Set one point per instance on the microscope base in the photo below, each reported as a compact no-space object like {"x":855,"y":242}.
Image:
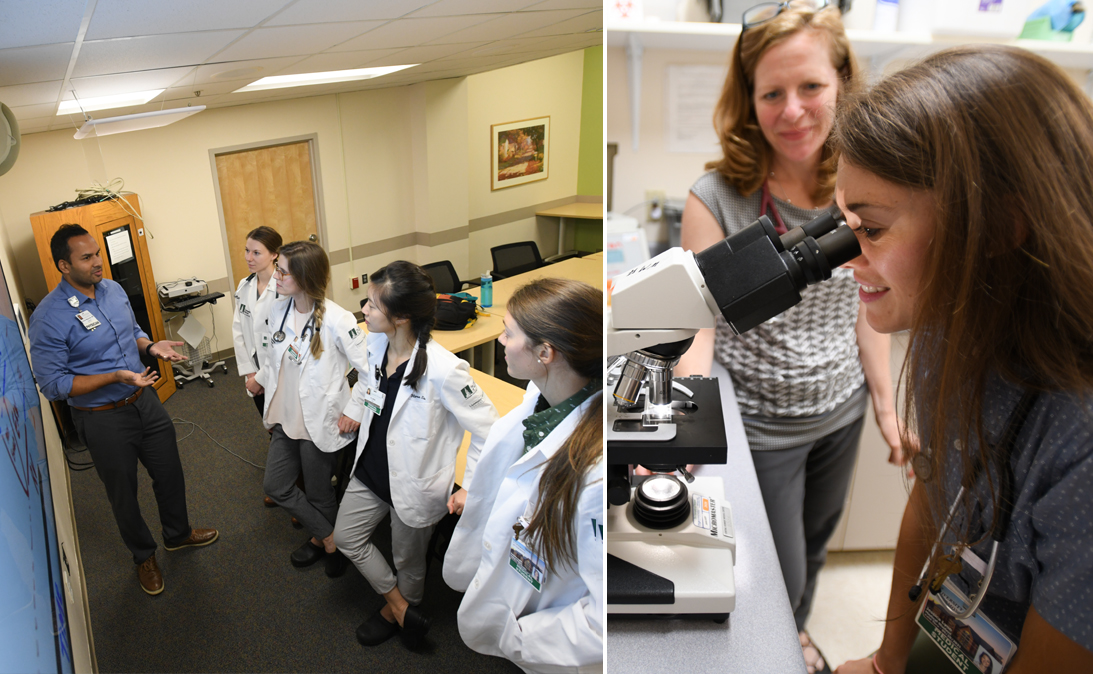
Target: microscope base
{"x":686,"y":571}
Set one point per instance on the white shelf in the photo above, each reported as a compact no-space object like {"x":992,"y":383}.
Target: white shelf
{"x":867,"y":44}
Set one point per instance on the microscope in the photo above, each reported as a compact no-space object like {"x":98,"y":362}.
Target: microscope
{"x":670,"y":542}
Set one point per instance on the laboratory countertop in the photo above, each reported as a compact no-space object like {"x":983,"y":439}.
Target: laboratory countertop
{"x":760,"y":636}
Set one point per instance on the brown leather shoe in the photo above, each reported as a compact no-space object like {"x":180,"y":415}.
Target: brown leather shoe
{"x":270,"y":503}
{"x":151,"y":580}
{"x":198,"y":538}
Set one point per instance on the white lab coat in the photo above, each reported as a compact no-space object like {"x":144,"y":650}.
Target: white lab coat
{"x":561,"y":628}
{"x":426,"y":429}
{"x":250,"y":321}
{"x":324,"y":392}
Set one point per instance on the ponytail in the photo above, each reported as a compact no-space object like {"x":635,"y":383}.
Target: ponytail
{"x":317,"y":328}
{"x":552,"y":531}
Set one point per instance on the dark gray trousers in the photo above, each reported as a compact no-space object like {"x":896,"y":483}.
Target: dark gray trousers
{"x":117,"y":439}
{"x":804,"y":490}
{"x":318,"y":508}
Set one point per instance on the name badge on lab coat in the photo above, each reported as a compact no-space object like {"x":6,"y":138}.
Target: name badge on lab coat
{"x":294,"y":353}
{"x":526,"y":563}
{"x":88,"y":320}
{"x":373,"y":399}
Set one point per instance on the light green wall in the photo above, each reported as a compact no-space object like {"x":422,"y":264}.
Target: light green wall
{"x":590,"y":167}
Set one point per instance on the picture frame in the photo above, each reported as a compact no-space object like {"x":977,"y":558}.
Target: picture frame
{"x":520,"y":152}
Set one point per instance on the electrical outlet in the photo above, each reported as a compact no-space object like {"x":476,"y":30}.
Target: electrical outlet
{"x":354,"y":283}
{"x":364,"y":279}
{"x":654,"y":205}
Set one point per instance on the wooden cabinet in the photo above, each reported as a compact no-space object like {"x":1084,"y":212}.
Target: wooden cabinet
{"x":121,"y":234}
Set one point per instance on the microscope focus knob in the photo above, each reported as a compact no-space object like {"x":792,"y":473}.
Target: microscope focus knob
{"x":661,"y":502}
{"x":618,"y":491}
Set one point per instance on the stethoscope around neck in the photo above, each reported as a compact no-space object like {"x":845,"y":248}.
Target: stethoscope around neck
{"x":279,"y":336}
{"x":998,"y":531}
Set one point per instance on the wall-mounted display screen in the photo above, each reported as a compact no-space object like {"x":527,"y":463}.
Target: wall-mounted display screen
{"x":34,"y":634}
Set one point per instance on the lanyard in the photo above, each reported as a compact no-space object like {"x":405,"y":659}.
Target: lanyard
{"x":766,"y":205}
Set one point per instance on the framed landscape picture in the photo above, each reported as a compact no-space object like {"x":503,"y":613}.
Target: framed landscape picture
{"x":520,"y":152}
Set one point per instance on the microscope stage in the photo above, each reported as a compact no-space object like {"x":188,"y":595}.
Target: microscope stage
{"x":685,"y":571}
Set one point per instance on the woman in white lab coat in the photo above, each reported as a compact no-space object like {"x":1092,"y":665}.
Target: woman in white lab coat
{"x":253,"y":298}
{"x":420,"y":399}
{"x":305,"y":352}
{"x":540,"y":476}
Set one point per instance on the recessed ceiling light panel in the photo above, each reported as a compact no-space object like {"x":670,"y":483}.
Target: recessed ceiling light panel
{"x":107,"y":102}
{"x":329,"y":77}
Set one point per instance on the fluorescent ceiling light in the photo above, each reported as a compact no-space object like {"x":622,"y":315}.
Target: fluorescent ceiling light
{"x":137,"y":122}
{"x":306,"y":79}
{"x":107,"y":102}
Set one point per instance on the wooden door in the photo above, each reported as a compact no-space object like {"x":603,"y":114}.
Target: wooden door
{"x":269,"y":186}
{"x":111,"y":222}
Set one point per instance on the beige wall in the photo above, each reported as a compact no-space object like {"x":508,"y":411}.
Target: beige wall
{"x":403,"y":173}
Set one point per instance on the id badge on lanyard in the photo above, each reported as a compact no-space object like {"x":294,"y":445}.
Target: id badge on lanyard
{"x":373,"y":396}
{"x":88,"y":320}
{"x":522,"y":560}
{"x":295,"y":354}
{"x":970,"y":644}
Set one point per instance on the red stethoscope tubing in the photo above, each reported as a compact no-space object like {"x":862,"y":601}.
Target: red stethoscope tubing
{"x":767,"y":207}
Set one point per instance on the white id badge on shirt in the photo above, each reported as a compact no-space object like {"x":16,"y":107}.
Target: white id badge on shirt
{"x":373,"y":398}
{"x":294,"y":353}
{"x":88,"y":320}
{"x":970,"y":643}
{"x":526,"y":563}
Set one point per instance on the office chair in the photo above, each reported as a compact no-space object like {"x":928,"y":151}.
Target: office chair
{"x":444,"y":277}
{"x":515,"y":258}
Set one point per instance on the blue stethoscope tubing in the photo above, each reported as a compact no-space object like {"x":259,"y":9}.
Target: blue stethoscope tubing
{"x":279,"y":336}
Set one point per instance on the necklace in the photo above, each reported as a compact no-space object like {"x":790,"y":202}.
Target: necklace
{"x":784,"y":195}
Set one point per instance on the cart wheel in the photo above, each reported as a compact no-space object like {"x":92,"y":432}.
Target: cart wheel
{"x":211,"y":383}
{"x":224,"y":368}
{"x":205,"y":364}
{"x":179,"y":384}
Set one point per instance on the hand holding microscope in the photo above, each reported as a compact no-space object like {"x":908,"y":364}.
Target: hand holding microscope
{"x":670,"y":542}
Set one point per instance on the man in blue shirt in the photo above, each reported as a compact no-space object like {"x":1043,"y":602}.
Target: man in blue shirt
{"x":85,"y":345}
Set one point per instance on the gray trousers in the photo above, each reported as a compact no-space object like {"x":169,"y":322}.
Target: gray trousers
{"x":361,"y":511}
{"x":318,"y":508}
{"x":117,"y":440}
{"x":804,"y":490}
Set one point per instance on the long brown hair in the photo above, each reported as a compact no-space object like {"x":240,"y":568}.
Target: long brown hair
{"x":746,"y":154}
{"x":406,"y":291}
{"x":567,"y":315}
{"x":1004,"y":142}
{"x":310,"y":269}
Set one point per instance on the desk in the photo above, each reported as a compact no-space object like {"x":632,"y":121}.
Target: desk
{"x":504,"y":397}
{"x":576,"y":268}
{"x":595,"y":256}
{"x":760,"y":636}
{"x":577,"y":211}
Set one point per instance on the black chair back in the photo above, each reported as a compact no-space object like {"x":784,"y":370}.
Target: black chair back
{"x":515,"y":258}
{"x":444,"y":277}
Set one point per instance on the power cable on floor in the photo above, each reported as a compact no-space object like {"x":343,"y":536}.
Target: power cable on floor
{"x":183,"y":421}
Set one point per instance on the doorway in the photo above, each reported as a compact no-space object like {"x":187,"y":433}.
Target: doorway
{"x":274,"y":184}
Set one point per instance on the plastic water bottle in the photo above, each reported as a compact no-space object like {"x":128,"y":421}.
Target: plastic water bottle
{"x":485,"y":294}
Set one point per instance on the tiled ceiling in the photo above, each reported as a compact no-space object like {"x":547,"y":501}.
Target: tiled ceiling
{"x":202,"y":50}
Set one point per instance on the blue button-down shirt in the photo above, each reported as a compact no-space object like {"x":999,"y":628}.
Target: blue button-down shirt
{"x":61,"y":347}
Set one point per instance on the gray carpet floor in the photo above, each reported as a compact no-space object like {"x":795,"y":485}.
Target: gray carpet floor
{"x":239,"y":605}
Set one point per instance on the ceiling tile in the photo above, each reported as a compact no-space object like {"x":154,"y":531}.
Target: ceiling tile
{"x":461,"y":7}
{"x":581,"y":24}
{"x":123,"y":83}
{"x":34,"y":64}
{"x":33,"y":111}
{"x":30,"y":94}
{"x":243,"y":70}
{"x":568,"y":4}
{"x":24,"y":23}
{"x":410,"y":32}
{"x":129,"y":18}
{"x":293,"y":40}
{"x":508,"y":25}
{"x":424,"y":54}
{"x":501,"y":47}
{"x":349,"y":60}
{"x":131,"y":54}
{"x":315,"y":11}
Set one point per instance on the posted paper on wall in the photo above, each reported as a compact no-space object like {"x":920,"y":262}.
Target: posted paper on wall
{"x":692,"y":93}
{"x":121,"y":249}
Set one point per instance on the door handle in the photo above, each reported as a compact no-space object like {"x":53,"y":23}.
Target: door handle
{"x":312,"y":238}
